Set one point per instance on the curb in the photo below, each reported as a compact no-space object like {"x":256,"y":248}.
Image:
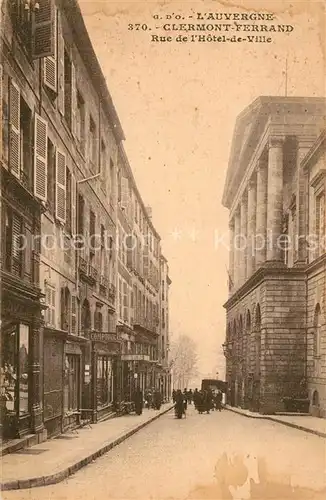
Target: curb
{"x":68,"y":471}
{"x":273,"y":419}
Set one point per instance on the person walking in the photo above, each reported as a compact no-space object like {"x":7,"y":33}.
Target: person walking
{"x":138,"y":401}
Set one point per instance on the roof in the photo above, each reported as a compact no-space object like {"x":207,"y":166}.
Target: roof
{"x":249,"y":127}
{"x":86,"y":50}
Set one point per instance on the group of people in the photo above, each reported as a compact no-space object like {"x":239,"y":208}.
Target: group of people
{"x":204,"y":400}
{"x":153,"y":399}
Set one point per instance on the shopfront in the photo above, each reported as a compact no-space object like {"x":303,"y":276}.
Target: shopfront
{"x":106,"y":349}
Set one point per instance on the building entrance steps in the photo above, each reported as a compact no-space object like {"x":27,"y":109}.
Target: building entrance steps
{"x":55,"y":459}
{"x":303,"y":422}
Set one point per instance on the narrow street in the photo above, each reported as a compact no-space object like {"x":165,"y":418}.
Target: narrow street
{"x":201,"y":457}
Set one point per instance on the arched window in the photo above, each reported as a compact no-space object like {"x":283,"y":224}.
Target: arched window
{"x":85,"y":316}
{"x":317,"y":327}
{"x":65,"y":301}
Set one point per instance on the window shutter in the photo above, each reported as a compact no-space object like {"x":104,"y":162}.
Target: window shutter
{"x":50,"y":62}
{"x":43,"y":39}
{"x":52,"y":320}
{"x":61,"y":67}
{"x":73,"y":100}
{"x":73,"y":205}
{"x":61,"y":186}
{"x":1,"y":98}
{"x":73,"y":315}
{"x":40,"y":157}
{"x":124,"y":192}
{"x":14,"y":120}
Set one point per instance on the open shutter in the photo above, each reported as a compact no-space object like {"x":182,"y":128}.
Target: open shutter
{"x":73,"y":315}
{"x":61,"y":67}
{"x":50,"y":63}
{"x":73,"y":100}
{"x":43,"y":39}
{"x":40,"y":157}
{"x":1,"y":98}
{"x":14,"y":121}
{"x":73,"y":205}
{"x":61,"y":186}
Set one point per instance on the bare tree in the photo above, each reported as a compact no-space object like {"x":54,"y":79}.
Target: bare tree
{"x":183,"y":361}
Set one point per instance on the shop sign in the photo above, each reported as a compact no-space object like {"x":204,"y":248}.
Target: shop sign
{"x":103,"y":337}
{"x":135,"y":357}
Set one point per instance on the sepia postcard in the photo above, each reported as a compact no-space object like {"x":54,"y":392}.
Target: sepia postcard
{"x":163,"y":249}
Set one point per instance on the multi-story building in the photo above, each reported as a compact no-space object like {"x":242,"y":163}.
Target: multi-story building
{"x":276,"y":297}
{"x":67,"y":277}
{"x":138,"y":285}
{"x":164,"y":343}
{"x":63,"y":141}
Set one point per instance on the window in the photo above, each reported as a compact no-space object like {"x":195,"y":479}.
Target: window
{"x":26,"y":144}
{"x":92,"y":236}
{"x":80,"y":121}
{"x":85,"y":317}
{"x":51,"y":178}
{"x":14,"y":256}
{"x":104,"y":381}
{"x":50,"y":315}
{"x":80,"y":214}
{"x":65,"y":308}
{"x":68,"y":201}
{"x":92,"y":144}
{"x":98,"y":321}
{"x":112,"y":182}
{"x":71,"y":382}
{"x":68,"y":89}
{"x":103,"y":167}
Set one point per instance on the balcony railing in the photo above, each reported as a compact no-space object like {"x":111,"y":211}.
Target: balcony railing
{"x":93,"y":273}
{"x":83,"y":267}
{"x":112,"y":291}
{"x":104,"y":282}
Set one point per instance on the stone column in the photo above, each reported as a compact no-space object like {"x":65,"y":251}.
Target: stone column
{"x":251,"y":227}
{"x":243,"y":240}
{"x":300,"y":243}
{"x":236,"y":241}
{"x":261,"y":214}
{"x":275,"y":198}
{"x":231,"y":255}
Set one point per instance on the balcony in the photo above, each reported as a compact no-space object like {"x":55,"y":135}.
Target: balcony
{"x":112,"y":292}
{"x":92,"y":274}
{"x":104,"y":282}
{"x":83,"y":266}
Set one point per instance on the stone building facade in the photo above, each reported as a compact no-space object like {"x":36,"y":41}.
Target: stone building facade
{"x":267,"y":193}
{"x":164,"y":343}
{"x":64,"y":188}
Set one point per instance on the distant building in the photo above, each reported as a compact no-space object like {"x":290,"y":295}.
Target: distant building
{"x":276,"y":305}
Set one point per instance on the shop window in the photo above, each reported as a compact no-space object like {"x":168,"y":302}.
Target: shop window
{"x":71,"y":382}
{"x":104,"y":381}
{"x":15,"y":370}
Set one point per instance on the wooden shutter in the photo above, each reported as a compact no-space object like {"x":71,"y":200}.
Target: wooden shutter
{"x":61,"y":67}
{"x":40,"y":157}
{"x":53,"y":315}
{"x":43,"y":37}
{"x":50,"y":62}
{"x":73,"y":205}
{"x":60,"y":186}
{"x":73,"y":100}
{"x":1,"y":98}
{"x":124,"y":192}
{"x":14,"y":121}
{"x":73,"y":314}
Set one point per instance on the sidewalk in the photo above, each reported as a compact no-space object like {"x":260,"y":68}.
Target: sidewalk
{"x":55,"y":459}
{"x":306,"y":423}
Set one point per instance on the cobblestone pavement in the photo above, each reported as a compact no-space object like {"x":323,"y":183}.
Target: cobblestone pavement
{"x":218,"y":456}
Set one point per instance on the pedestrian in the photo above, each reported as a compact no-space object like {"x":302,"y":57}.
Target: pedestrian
{"x":138,"y":401}
{"x":149,"y":398}
{"x":219,"y":401}
{"x":179,"y":406}
{"x":196,"y":398}
{"x":185,"y":398}
{"x":190,"y":396}
{"x":174,"y":393}
{"x":157,"y":400}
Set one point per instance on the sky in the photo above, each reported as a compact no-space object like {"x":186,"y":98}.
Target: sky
{"x":178,"y":103}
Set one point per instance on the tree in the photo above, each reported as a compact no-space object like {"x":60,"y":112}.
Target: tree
{"x":183,"y":361}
